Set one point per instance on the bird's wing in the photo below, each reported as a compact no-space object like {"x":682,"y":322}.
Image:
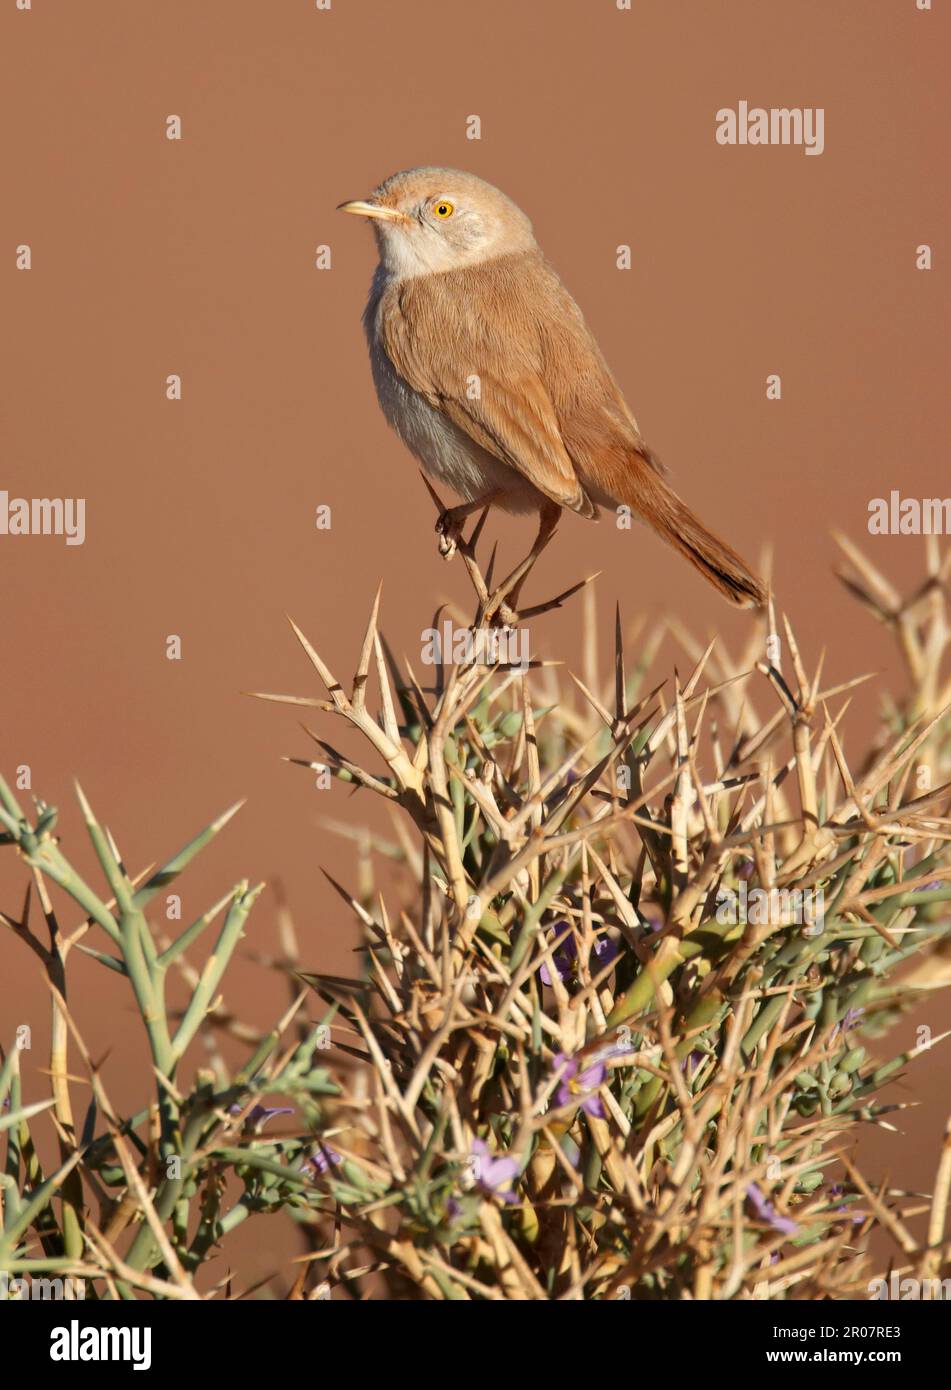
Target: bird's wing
{"x":503,"y":350}
{"x":456,"y":339}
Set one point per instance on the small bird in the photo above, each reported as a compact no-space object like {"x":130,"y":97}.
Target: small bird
{"x":486,"y":369}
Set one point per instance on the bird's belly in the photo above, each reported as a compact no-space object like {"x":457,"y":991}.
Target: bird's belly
{"x":446,"y":453}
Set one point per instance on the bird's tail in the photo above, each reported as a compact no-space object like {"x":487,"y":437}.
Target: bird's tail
{"x":643,"y":489}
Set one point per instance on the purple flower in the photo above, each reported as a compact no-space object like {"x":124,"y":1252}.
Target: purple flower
{"x":258,"y":1116}
{"x":613,"y":1047}
{"x":856,"y":1217}
{"x":848,"y":1020}
{"x":580,"y":1087}
{"x":565,"y":955}
{"x":768,"y":1213}
{"x":694,"y":1060}
{"x":322,"y":1160}
{"x":494,"y":1175}
{"x":746,"y":869}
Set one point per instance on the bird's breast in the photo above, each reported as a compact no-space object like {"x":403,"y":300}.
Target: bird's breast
{"x":447,"y":453}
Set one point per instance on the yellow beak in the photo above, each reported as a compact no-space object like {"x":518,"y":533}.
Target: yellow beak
{"x":360,"y":208}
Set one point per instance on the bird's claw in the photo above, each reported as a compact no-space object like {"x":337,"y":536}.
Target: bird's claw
{"x":449,"y":531}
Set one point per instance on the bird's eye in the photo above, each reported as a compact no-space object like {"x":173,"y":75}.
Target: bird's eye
{"x":443,"y":209}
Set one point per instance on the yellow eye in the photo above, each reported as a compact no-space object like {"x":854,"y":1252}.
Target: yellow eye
{"x":443,"y":209}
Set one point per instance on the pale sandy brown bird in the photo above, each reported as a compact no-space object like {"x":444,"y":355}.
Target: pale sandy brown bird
{"x":484,"y":366}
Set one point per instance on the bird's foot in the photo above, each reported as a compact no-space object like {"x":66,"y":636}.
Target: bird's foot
{"x":499,"y":605}
{"x":449,"y":528}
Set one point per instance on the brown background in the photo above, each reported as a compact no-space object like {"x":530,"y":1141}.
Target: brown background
{"x":196,"y":257}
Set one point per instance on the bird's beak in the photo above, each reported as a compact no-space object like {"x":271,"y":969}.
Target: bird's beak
{"x":360,"y":208}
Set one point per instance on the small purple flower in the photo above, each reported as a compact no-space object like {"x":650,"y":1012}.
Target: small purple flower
{"x":931,"y":887}
{"x":694,"y":1060}
{"x":258,"y":1116}
{"x":849,"y":1020}
{"x":746,"y":869}
{"x":613,"y":1047}
{"x":322,"y":1160}
{"x":768,"y":1213}
{"x":856,"y":1217}
{"x":577,"y":1086}
{"x":565,"y":956}
{"x":494,"y":1175}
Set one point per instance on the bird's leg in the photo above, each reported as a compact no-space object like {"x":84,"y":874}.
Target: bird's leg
{"x":503,"y":602}
{"x":450,"y":522}
{"x":499,"y":608}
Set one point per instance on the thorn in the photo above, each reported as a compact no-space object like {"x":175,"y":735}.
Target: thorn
{"x":224,"y":818}
{"x":440,"y":506}
{"x":477,"y":530}
{"x":85,"y":807}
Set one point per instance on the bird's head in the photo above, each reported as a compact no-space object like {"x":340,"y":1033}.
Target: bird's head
{"x":432,"y":220}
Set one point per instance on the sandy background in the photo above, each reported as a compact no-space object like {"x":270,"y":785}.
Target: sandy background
{"x":196,"y":257}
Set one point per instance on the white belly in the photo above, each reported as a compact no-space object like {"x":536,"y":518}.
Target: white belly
{"x":445,"y":452}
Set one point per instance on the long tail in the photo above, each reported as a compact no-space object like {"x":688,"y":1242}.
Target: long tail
{"x":641,"y":486}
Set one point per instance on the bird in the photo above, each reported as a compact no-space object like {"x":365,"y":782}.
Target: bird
{"x":486,"y":369}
